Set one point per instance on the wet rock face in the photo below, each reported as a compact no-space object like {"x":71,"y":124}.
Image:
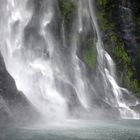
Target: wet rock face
{"x":6,"y":117}
{"x":14,"y":107}
{"x":8,"y":89}
{"x":120,"y":26}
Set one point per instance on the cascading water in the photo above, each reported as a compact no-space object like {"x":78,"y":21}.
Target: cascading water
{"x":28,"y":61}
{"x":49,"y":72}
{"x":106,"y":67}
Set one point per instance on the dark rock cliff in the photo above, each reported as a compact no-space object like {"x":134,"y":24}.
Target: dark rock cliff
{"x":14,"y":106}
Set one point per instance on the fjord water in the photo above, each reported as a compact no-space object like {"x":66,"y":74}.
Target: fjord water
{"x":43,"y":59}
{"x":78,"y":130}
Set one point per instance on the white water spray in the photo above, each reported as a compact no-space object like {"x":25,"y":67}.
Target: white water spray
{"x":53,"y":81}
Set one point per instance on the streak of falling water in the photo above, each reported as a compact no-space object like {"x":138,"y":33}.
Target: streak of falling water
{"x":32,"y":72}
{"x":108,"y":74}
{"x":53,"y":80}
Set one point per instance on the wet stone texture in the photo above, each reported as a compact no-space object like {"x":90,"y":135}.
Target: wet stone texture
{"x":14,"y":107}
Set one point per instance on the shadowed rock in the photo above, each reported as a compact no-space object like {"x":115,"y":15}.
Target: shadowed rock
{"x":14,"y":106}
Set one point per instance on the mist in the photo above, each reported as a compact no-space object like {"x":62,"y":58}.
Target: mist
{"x":65,"y":78}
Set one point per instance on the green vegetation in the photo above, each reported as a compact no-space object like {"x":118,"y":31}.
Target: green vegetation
{"x":102,"y":2}
{"x":67,"y":8}
{"x":118,"y":51}
{"x":115,"y":47}
{"x":90,"y":54}
{"x":104,"y":23}
{"x":105,"y":15}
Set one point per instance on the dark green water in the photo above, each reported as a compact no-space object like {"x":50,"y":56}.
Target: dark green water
{"x":81,"y":130}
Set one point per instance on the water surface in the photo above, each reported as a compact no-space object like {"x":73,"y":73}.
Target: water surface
{"x":77,"y":130}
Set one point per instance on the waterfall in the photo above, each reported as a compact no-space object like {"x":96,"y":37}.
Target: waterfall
{"x":25,"y":48}
{"x":47,"y":69}
{"x":106,"y":67}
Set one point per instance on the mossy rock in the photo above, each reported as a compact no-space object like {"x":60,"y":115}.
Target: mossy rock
{"x":67,"y":8}
{"x":115,"y":46}
{"x":90,"y":54}
{"x":106,"y":15}
{"x":104,"y":23}
{"x":118,"y":50}
{"x":131,"y":81}
{"x":102,"y":2}
{"x":109,"y":25}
